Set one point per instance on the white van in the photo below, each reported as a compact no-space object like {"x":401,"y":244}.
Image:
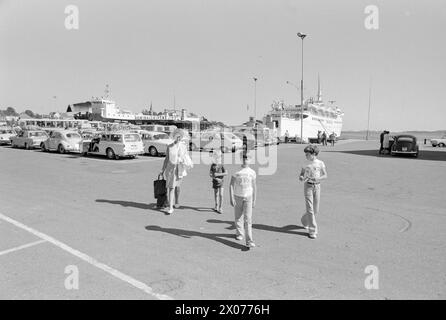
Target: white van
{"x":115,"y":145}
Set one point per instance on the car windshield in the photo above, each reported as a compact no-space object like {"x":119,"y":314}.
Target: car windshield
{"x":74,"y":136}
{"x":37,"y":134}
{"x":160,"y":136}
{"x":405,"y":139}
{"x":132,"y":137}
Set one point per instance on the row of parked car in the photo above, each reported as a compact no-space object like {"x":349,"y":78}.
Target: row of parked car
{"x":114,"y":144}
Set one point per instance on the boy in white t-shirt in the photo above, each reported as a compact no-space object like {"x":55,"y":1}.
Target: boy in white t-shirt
{"x":312,"y":174}
{"x":242,"y":193}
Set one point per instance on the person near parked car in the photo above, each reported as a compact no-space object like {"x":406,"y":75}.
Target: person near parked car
{"x":176,"y":164}
{"x":386,"y":142}
{"x":381,"y":141}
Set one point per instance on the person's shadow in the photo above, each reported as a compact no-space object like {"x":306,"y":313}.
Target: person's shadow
{"x":138,"y":205}
{"x":218,"y":237}
{"x":151,"y":206}
{"x":199,"y":209}
{"x":289,"y":229}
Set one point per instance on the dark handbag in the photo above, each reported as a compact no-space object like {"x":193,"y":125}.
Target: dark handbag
{"x":159,"y":187}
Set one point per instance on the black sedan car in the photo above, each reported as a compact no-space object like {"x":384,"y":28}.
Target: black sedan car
{"x":404,"y":144}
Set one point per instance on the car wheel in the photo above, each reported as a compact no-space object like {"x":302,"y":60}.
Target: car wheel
{"x":42,"y":147}
{"x":153,"y":152}
{"x":61,"y":149}
{"x":26,"y":146}
{"x":110,"y":153}
{"x":441,"y":144}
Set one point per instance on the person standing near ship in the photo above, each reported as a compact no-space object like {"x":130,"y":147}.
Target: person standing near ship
{"x":287,"y":136}
{"x":319,"y":137}
{"x":324,"y":138}
{"x":332,"y":138}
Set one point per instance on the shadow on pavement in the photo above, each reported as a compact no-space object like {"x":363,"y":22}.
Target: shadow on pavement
{"x":218,"y":237}
{"x":145,"y":206}
{"x":424,"y":155}
{"x":151,"y":206}
{"x":289,"y":229}
{"x":200,"y":209}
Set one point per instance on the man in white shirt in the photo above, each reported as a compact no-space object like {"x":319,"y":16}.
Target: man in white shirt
{"x":242,"y":192}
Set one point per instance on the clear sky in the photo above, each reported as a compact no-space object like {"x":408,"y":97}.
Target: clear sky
{"x":205,"y":53}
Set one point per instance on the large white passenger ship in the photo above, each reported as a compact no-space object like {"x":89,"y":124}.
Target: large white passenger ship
{"x":317,"y":116}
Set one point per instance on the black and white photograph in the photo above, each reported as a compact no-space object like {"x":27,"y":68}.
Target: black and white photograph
{"x":241,"y":151}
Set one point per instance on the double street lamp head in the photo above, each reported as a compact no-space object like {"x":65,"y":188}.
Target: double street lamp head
{"x":301,"y":35}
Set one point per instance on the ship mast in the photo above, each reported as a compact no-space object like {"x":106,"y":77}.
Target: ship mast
{"x":107,"y":92}
{"x":319,"y":89}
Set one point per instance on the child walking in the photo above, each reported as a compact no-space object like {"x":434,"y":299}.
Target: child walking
{"x":217,"y":173}
{"x":312,"y":174}
{"x":242,"y":193}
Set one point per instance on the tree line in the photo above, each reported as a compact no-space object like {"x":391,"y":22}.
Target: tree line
{"x":11,"y":112}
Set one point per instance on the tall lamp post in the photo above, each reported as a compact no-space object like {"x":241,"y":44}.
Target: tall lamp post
{"x":368,"y":116}
{"x":255,"y":101}
{"x":302,"y":36}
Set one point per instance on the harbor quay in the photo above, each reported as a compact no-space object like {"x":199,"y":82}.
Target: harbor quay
{"x":381,"y":217}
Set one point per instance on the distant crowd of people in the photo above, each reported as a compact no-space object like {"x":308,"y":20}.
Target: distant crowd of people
{"x":242,"y":187}
{"x":322,"y":137}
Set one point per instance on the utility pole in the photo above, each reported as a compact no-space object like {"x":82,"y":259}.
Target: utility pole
{"x":302,"y":36}
{"x":370,"y":102}
{"x":255,"y":101}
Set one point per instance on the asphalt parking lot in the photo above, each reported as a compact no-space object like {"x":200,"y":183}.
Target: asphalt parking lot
{"x":98,"y":215}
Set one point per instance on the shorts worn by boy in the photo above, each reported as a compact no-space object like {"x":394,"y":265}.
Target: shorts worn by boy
{"x":217,"y":182}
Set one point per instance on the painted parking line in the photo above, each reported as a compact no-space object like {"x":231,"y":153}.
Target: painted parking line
{"x":22,"y":247}
{"x":115,"y":273}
